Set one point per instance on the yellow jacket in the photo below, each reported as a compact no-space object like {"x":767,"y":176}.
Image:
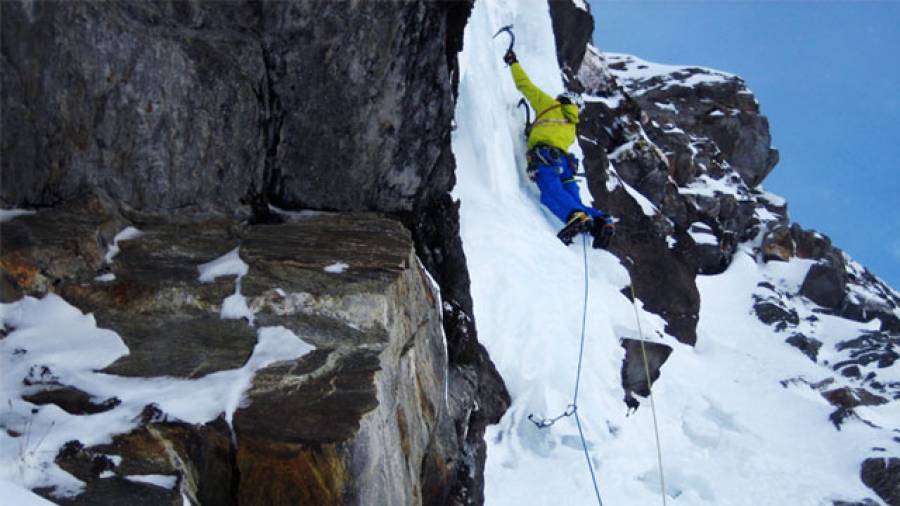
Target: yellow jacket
{"x":555,"y":123}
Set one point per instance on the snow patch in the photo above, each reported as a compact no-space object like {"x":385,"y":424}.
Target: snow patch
{"x":54,"y":341}
{"x":632,"y":71}
{"x":666,"y":107}
{"x":229,"y":264}
{"x":235,"y":306}
{"x":336,"y":268}
{"x":127,"y":234}
{"x":159,"y":480}
{"x":702,"y":234}
{"x":646,"y":206}
{"x":301,"y":214}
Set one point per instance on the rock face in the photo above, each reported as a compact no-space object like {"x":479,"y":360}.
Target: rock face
{"x":198,"y":117}
{"x":167,"y":106}
{"x":883,"y":476}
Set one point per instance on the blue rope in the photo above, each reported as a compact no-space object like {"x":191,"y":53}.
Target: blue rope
{"x":572,"y":409}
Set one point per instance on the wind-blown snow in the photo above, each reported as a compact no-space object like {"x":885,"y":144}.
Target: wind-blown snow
{"x":128,"y":234}
{"x":731,"y":433}
{"x":229,"y":264}
{"x":235,"y":306}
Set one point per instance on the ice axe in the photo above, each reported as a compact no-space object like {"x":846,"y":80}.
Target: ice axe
{"x":524,"y":103}
{"x":512,"y":36}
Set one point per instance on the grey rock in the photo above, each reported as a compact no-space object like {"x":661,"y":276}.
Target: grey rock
{"x":572,"y":30}
{"x":182,"y":106}
{"x":634,"y":374}
{"x":883,"y":476}
{"x":158,"y":117}
{"x":778,"y":244}
{"x":826,"y":283}
{"x":809,"y":346}
{"x":71,"y":400}
{"x":770,"y":311}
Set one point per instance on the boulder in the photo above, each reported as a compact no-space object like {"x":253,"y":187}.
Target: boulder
{"x":771,"y":311}
{"x":778,"y":244}
{"x":708,"y":254}
{"x":809,"y":346}
{"x":826,"y":282}
{"x":230,"y":139}
{"x":71,"y":400}
{"x":810,"y":244}
{"x":883,"y":476}
{"x":634,"y":374}
{"x":850,"y":398}
{"x":199,"y":457}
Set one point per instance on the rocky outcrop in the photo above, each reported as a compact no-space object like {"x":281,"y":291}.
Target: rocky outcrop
{"x":883,"y":476}
{"x":642,"y":362}
{"x":178,"y":113}
{"x":364,"y":419}
{"x":573,"y":27}
{"x":677,"y":154}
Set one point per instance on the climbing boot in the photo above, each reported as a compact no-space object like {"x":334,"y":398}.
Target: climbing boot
{"x":603,"y":232}
{"x":577,"y":223}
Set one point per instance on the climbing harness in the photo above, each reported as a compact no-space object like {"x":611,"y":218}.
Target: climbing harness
{"x":662,"y":480}
{"x":538,"y":120}
{"x":572,"y":409}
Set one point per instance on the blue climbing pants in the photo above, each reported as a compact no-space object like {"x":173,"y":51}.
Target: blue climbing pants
{"x":553,"y":171}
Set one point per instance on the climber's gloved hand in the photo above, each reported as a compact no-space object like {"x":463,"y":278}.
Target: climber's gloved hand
{"x":510,"y":57}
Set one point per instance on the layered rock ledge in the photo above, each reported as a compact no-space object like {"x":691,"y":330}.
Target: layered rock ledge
{"x":362,"y":419}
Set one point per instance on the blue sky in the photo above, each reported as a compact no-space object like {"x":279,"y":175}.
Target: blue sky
{"x":826,"y":75}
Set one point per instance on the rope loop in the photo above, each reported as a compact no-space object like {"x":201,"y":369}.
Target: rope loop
{"x":572,"y":409}
{"x":543,"y":423}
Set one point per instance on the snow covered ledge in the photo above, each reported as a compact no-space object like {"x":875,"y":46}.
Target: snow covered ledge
{"x":362,"y":415}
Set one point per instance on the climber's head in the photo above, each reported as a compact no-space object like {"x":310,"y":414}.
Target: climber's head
{"x":570,"y":97}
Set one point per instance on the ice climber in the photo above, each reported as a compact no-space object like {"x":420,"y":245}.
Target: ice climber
{"x":551,"y":166}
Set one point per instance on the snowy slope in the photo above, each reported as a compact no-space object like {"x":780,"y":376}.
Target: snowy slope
{"x":731,"y":433}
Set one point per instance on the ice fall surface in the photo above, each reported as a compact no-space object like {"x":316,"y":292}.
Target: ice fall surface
{"x":731,"y":433}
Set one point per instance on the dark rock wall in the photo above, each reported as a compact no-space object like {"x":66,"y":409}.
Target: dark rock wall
{"x":157,"y":105}
{"x":170,"y":105}
{"x":572,"y":32}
